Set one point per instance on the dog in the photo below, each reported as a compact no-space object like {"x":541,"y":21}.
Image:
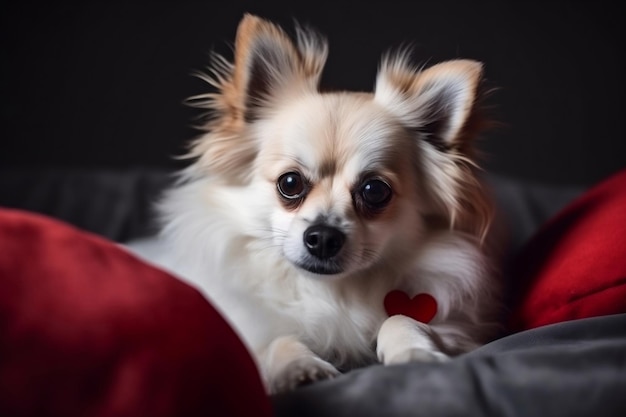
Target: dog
{"x":336,"y":229}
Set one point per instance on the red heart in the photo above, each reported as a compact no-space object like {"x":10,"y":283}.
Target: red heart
{"x":422,"y":307}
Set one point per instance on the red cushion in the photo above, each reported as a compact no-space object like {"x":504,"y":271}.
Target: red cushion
{"x":88,"y":329}
{"x":575,"y":266}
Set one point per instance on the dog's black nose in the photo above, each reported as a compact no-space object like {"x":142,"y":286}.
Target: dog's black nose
{"x":322,"y":241}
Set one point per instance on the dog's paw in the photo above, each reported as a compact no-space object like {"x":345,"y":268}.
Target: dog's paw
{"x":414,"y":355}
{"x":302,"y":371}
{"x":402,"y":339}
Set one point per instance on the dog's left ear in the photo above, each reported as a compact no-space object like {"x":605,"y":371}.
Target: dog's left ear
{"x":435,"y":102}
{"x":438,"y":105}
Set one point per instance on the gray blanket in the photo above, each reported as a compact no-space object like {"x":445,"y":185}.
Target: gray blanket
{"x":570,"y":369}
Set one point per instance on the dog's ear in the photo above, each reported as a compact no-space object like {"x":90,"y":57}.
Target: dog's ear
{"x":268,"y":64}
{"x":435,"y":102}
{"x":438,"y":105}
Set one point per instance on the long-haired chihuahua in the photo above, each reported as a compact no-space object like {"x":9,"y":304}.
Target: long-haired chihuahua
{"x":336,"y":229}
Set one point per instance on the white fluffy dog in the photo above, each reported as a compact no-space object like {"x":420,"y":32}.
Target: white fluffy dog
{"x":334,"y":229}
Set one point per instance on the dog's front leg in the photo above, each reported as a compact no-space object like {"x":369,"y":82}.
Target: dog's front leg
{"x":287,"y":363}
{"x":402,"y":339}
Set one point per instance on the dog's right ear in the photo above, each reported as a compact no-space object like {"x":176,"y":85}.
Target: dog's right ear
{"x":268,"y":65}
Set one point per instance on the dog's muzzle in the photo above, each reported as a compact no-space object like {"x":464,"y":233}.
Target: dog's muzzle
{"x":323,"y":241}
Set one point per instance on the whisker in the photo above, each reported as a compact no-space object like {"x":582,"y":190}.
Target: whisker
{"x":270,"y":237}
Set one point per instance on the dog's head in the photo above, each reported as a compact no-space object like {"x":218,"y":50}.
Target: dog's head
{"x":349,"y":180}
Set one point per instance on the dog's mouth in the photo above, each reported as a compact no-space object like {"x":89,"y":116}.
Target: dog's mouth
{"x":321,"y":267}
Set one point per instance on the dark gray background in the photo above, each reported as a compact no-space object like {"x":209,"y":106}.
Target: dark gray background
{"x":102,"y":85}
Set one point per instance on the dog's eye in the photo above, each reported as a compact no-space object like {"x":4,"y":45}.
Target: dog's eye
{"x":291,"y":185}
{"x":376,"y":193}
